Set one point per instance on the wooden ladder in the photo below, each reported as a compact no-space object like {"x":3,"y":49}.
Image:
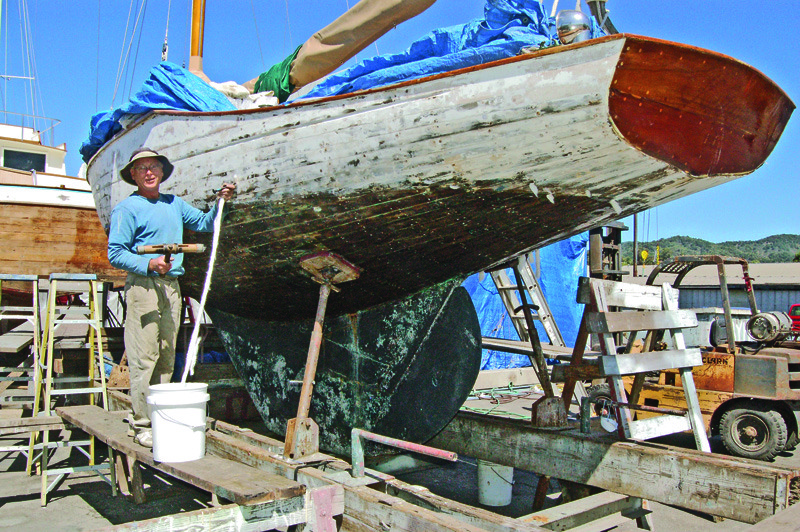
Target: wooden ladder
{"x":655,"y":310}
{"x":49,"y":386}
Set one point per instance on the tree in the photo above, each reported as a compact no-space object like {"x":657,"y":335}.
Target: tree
{"x":796,"y":257}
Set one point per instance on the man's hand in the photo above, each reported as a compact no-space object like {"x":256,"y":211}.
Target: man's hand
{"x":160,"y":265}
{"x":227,"y":191}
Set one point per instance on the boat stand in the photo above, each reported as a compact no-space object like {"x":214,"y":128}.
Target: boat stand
{"x":327,"y":269}
{"x":260,"y":496}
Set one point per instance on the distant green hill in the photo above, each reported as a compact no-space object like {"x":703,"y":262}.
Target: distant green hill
{"x":776,"y":248}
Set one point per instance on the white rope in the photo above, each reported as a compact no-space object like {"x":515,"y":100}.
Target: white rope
{"x":165,"y":47}
{"x":194,"y":343}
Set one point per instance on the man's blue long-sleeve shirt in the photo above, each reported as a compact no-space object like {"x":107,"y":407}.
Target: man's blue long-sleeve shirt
{"x":138,"y":221}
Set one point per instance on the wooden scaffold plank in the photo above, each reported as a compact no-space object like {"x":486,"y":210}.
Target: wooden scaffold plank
{"x":739,"y":489}
{"x":228,"y":479}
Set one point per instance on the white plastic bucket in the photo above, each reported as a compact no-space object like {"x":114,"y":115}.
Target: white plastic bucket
{"x":178,"y":418}
{"x":178,"y":386}
{"x":494,"y":483}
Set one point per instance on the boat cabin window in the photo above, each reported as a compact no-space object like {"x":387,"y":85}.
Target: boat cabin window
{"x":21,"y":160}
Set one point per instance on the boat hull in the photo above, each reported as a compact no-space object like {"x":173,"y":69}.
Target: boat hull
{"x":40,"y":239}
{"x":451,"y":174}
{"x":431,"y":180}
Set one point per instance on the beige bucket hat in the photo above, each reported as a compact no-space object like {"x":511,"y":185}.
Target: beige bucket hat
{"x":141,"y":153}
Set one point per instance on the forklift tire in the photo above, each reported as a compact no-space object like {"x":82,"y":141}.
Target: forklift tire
{"x":600,"y":396}
{"x":756,"y":432}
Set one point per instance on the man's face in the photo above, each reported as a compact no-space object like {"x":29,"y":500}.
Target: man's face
{"x":147,"y":173}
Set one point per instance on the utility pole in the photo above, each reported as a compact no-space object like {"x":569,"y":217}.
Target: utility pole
{"x":635,"y":244}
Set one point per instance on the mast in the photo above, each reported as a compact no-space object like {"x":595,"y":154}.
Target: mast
{"x":196,"y":43}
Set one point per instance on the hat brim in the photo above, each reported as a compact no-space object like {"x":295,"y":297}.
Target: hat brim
{"x":125,"y":173}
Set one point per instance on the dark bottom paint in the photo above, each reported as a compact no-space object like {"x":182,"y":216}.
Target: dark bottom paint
{"x":401,"y":369}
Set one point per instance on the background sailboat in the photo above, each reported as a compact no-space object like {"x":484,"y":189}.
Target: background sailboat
{"x":48,"y":223}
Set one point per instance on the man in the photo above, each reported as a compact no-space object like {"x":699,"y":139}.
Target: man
{"x":153,"y":296}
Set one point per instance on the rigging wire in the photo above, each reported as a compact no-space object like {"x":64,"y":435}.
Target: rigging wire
{"x":288,"y":27}
{"x":36,"y":89}
{"x":122,"y":53}
{"x":136,"y":54}
{"x":30,"y":70}
{"x":5,"y":62}
{"x":23,"y":13}
{"x":258,"y":36}
{"x":188,"y":43}
{"x":97,"y":64}
{"x":125,"y":54}
{"x":655,"y":211}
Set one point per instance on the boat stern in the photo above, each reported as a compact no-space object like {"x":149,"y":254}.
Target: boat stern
{"x":701,"y":111}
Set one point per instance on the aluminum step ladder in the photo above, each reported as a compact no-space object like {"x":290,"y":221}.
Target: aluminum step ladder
{"x":51,"y":387}
{"x":655,"y":309}
{"x":525,"y":295}
{"x":24,"y":337}
{"x":525,"y":285}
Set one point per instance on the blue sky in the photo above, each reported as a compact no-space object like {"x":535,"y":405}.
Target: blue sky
{"x":79,"y":44}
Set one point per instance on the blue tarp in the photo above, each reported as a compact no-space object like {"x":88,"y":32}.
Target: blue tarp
{"x":506,"y":27}
{"x":167,"y":87}
{"x":561,"y":264}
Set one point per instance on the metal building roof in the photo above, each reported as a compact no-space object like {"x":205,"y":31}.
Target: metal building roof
{"x":763,"y":274}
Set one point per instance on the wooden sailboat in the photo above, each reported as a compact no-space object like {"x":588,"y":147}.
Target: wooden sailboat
{"x":424,"y":182}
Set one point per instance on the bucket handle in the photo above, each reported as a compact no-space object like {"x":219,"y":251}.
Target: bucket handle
{"x":177,"y":422}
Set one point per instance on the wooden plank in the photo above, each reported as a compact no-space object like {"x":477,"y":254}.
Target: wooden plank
{"x":502,"y":378}
{"x":578,"y":372}
{"x":744,"y":490}
{"x":267,"y":515}
{"x":231,"y":480}
{"x":379,"y":511}
{"x":653,"y":427}
{"x":624,"y":295}
{"x":523,"y":348}
{"x":582,"y":511}
{"x":631,"y":363}
{"x":695,"y":415}
{"x":625,"y":321}
{"x":30,"y":424}
{"x":473,"y":516}
{"x":12,"y":343}
{"x":262,"y":452}
{"x":17,"y":338}
{"x":788,"y":519}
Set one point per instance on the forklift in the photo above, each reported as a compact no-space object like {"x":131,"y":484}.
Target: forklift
{"x":749,"y":384}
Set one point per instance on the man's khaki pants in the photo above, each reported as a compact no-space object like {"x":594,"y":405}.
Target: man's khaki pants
{"x":151,"y":328}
